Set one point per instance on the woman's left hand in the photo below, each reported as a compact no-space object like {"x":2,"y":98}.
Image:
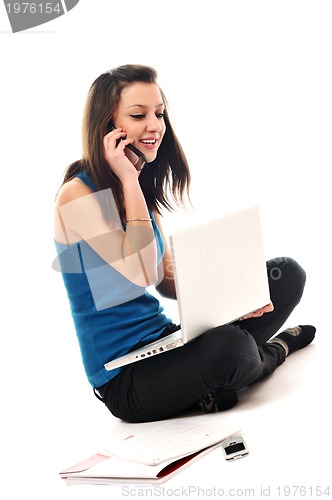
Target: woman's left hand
{"x":257,"y":314}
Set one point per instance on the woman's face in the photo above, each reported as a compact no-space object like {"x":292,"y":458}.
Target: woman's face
{"x":140,"y":115}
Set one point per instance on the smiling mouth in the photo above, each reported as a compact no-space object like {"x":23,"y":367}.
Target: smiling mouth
{"x":148,"y":142}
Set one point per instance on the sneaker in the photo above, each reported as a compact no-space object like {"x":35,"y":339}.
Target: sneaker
{"x":295,"y":338}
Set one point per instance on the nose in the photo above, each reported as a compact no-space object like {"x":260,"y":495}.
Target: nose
{"x":154,"y":124}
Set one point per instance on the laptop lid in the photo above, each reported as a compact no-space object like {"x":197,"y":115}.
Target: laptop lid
{"x":220,"y":275}
{"x":220,"y":271}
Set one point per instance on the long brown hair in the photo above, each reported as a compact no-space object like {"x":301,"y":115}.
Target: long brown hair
{"x":164,"y":180}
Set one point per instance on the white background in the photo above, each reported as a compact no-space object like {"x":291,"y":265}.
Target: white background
{"x":249,"y":87}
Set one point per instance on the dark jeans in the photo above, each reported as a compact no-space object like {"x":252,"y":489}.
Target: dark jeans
{"x":232,"y":356}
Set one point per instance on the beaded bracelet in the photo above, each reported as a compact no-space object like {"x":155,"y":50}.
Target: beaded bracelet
{"x":138,"y":220}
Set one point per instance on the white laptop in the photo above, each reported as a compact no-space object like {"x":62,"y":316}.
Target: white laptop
{"x":220,"y":276}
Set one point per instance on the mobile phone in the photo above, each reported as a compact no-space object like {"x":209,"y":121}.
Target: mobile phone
{"x":135,"y":154}
{"x":234,"y":447}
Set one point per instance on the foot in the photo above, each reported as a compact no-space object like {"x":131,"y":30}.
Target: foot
{"x":295,"y":338}
{"x":218,"y":400}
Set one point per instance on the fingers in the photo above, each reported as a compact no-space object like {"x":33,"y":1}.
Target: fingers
{"x":268,"y":308}
{"x":257,"y":314}
{"x":116,"y":156}
{"x":111,"y":139}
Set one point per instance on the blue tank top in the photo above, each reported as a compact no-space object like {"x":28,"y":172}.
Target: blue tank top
{"x":105,"y":328}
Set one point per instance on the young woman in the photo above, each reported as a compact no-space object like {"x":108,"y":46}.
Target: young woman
{"x":111,"y":247}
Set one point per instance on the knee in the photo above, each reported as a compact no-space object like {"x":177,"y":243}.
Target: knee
{"x":286,"y":269}
{"x":233,"y":353}
{"x":230,"y":338}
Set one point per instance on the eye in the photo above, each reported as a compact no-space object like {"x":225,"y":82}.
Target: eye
{"x":138,"y":116}
{"x":160,"y":115}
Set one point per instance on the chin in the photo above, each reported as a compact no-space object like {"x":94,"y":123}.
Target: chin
{"x":151,"y":157}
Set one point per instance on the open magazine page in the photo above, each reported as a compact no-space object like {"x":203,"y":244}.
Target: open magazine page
{"x":170,"y":440}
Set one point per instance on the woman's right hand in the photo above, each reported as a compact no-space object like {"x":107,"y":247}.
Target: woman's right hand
{"x":115,"y":155}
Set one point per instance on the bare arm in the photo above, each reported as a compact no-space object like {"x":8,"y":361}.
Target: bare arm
{"x":79,"y":215}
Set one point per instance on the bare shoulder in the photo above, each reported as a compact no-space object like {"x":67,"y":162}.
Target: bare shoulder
{"x":72,"y":190}
{"x":65,"y":229}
